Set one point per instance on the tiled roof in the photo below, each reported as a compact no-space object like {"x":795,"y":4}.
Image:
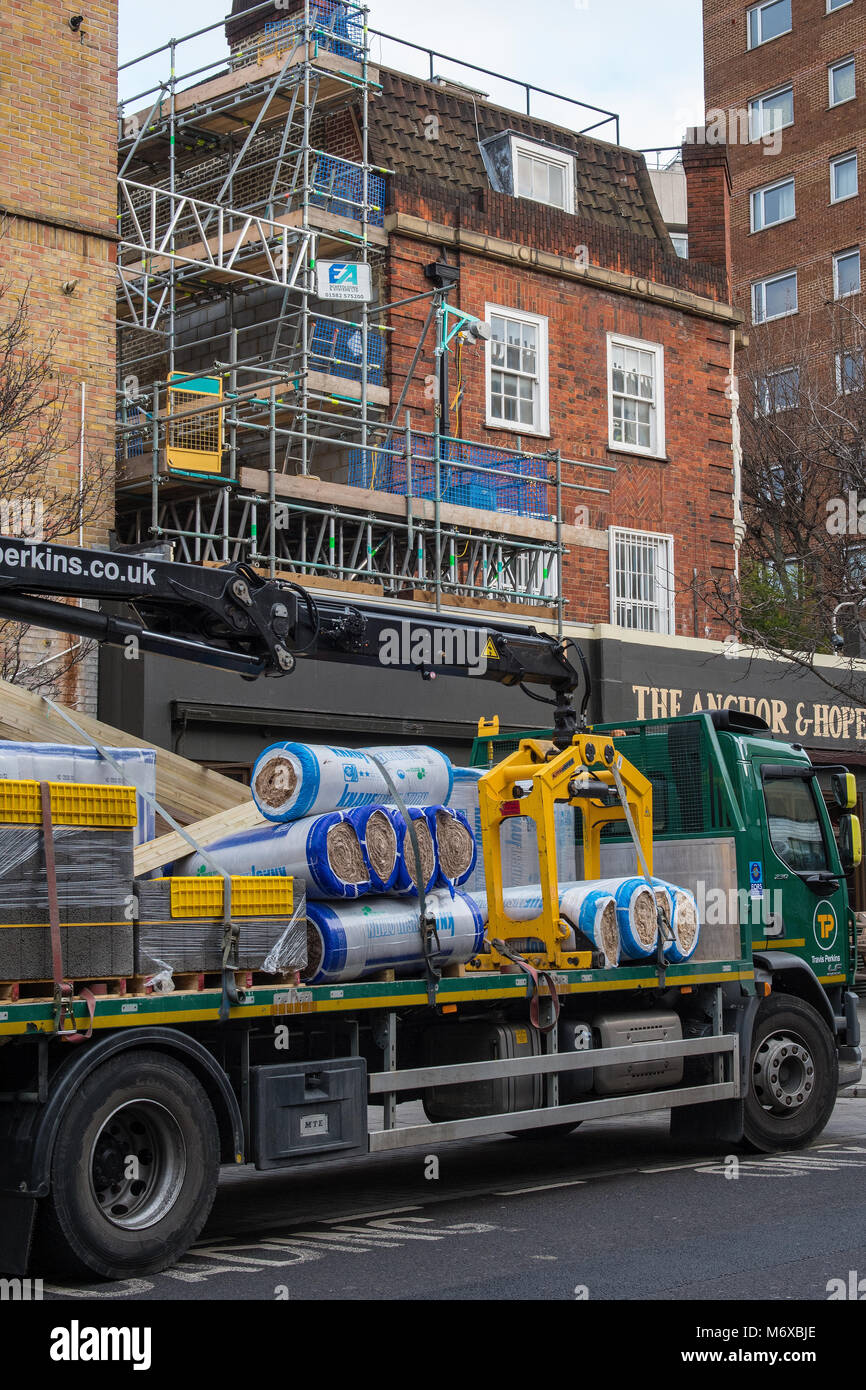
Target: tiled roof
{"x":611,"y":183}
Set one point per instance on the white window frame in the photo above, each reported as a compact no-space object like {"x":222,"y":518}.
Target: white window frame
{"x":841,"y":388}
{"x":561,"y":158}
{"x":759,"y":8}
{"x":850,"y":61}
{"x":658,"y":449}
{"x":665,"y":604}
{"x":682,"y":249}
{"x":841,"y":255}
{"x":844,"y":159}
{"x":769,"y":280}
{"x":840,"y":5}
{"x":762,"y":405}
{"x":542,"y":412}
{"x":756,"y":198}
{"x":756,"y":106}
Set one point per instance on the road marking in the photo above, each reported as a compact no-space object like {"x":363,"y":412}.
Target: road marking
{"x":544,"y":1187}
{"x":676,"y":1167}
{"x":370,"y":1215}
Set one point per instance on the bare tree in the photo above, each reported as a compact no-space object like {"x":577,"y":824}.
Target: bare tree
{"x":37,"y":503}
{"x":802,"y":584}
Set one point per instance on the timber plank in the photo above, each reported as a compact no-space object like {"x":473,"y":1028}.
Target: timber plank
{"x":187,"y":790}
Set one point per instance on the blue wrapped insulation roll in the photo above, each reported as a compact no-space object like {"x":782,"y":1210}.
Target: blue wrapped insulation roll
{"x":456,"y":850}
{"x":323,"y":851}
{"x":680,"y":910}
{"x":349,"y":941}
{"x":584,"y":906}
{"x":405,"y":882}
{"x":378,"y":838}
{"x":291,"y":780}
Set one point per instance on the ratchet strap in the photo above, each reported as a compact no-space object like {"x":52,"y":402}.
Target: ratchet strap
{"x":64,"y":1006}
{"x":665,"y":933}
{"x":535,"y":976}
{"x":426,"y":920}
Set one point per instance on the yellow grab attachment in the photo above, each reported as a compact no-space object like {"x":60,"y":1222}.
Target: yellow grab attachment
{"x":590,"y":775}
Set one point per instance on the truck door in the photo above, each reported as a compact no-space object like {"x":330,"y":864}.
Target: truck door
{"x":805,"y":903}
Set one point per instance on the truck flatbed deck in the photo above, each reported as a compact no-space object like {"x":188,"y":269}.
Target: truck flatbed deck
{"x":28,"y":1016}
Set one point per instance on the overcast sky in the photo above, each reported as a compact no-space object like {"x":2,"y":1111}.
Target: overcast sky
{"x":639,"y":59}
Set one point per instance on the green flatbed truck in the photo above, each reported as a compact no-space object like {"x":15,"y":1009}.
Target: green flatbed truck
{"x":110,"y":1146}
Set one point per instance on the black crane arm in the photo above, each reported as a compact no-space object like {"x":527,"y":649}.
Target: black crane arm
{"x":235,"y":619}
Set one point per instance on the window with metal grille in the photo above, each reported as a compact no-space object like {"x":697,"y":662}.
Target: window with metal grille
{"x":517,"y":370}
{"x":636,"y":395}
{"x":642,"y":580}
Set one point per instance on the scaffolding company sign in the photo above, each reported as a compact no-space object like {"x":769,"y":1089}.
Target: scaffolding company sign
{"x":346,"y":280}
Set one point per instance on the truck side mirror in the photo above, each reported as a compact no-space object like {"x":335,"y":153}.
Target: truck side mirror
{"x":850,"y":843}
{"x":844,"y":787}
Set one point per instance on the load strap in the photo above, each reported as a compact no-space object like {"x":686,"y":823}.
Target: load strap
{"x":426,"y":920}
{"x":64,"y":1007}
{"x":535,"y":976}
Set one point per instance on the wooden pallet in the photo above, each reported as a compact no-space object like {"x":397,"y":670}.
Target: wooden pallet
{"x":192,"y":982}
{"x":13,"y":990}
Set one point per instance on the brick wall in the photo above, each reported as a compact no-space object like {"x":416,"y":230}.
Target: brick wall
{"x":57,"y":196}
{"x":689,"y":493}
{"x":733,"y":76}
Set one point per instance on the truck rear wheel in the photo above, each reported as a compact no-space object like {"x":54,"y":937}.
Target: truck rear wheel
{"x":793,"y":1076}
{"x":134,"y":1170}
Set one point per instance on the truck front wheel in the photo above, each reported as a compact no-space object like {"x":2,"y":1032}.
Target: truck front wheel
{"x":134,"y":1170}
{"x":792,"y":1078}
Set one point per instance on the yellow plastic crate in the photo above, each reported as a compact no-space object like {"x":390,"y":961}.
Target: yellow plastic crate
{"x":72,"y":803}
{"x":252,"y":896}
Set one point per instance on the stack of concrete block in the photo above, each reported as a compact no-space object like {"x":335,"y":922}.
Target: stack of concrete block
{"x":93,"y":850}
{"x":180,"y":924}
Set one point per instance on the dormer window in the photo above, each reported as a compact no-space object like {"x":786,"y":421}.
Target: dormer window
{"x":543,"y":174}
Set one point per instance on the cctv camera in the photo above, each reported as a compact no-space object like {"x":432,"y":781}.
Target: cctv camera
{"x":838,"y":641}
{"x":75,"y":22}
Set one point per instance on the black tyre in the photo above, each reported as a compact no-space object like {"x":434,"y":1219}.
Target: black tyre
{"x":793,"y":1076}
{"x":134,"y":1171}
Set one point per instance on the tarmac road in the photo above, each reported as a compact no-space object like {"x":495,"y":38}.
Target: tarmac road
{"x":613,"y":1211}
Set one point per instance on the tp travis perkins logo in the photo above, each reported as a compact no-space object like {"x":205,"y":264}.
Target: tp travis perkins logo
{"x":77,"y":1343}
{"x":465,"y":649}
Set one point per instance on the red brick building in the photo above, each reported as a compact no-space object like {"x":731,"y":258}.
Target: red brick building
{"x":788,"y":78}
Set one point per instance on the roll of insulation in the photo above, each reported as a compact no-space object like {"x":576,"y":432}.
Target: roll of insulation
{"x":517,"y":837}
{"x":291,"y":780}
{"x":348,"y":941}
{"x":680,"y":912}
{"x":405,"y":882}
{"x":635,"y":915}
{"x":456,"y":850}
{"x":324,"y":851}
{"x":585,"y":907}
{"x":378,"y":838}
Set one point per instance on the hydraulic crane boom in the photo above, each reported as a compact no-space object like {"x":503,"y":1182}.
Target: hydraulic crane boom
{"x":235,"y":619}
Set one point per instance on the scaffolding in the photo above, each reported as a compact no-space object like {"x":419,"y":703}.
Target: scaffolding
{"x":254,"y":417}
